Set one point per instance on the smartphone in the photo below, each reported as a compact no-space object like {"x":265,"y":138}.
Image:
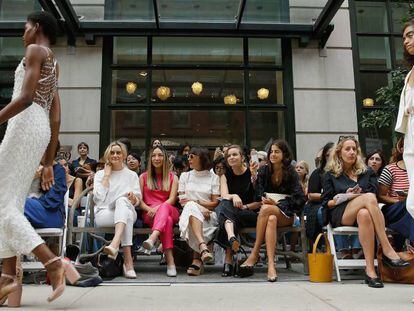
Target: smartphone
{"x":401,"y":193}
{"x":254,"y":156}
{"x":355,"y":187}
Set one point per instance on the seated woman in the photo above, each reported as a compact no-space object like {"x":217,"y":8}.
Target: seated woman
{"x":134,"y":162}
{"x":302,"y":168}
{"x":116,"y":193}
{"x":159,"y":193}
{"x":198,"y":190}
{"x":393,"y":189}
{"x":219,"y":166}
{"x":376,"y":161}
{"x":47,"y":209}
{"x":83,"y":166}
{"x":279,"y":176}
{"x":357,"y":204}
{"x":238,"y":208}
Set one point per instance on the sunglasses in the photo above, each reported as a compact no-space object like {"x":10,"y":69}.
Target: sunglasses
{"x":346,"y":137}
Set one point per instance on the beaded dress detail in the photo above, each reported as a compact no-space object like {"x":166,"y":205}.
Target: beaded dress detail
{"x":26,"y":139}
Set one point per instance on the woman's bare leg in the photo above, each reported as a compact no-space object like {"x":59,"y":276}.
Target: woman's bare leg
{"x":128,"y":261}
{"x":271,"y":238}
{"x":369,"y":201}
{"x":366,"y":234}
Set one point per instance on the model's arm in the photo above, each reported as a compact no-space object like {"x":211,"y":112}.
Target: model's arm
{"x":34,"y":58}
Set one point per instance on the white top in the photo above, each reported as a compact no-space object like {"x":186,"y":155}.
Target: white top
{"x":199,"y":185}
{"x":409,"y":99}
{"x":120,"y":183}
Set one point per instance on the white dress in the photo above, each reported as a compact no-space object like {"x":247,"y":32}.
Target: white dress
{"x":198,"y":185}
{"x":26,"y":139}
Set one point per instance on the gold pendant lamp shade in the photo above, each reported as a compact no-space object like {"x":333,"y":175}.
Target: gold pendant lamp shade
{"x":163,"y":93}
{"x":230,"y":99}
{"x":262,"y":93}
{"x":131,"y":87}
{"x":197,"y":88}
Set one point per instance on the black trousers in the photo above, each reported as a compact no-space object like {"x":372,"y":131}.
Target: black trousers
{"x":240,"y":219}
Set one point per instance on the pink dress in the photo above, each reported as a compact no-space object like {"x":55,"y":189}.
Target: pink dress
{"x":166,"y":216}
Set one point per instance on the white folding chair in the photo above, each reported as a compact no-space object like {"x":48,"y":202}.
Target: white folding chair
{"x":49,"y":233}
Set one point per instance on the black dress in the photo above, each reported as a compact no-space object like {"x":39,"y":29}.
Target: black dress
{"x":290,"y":185}
{"x":243,"y":187}
{"x":333,"y":185}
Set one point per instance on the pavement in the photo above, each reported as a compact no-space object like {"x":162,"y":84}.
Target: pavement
{"x":153,"y":290}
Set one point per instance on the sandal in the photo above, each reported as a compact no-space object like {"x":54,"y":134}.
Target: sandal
{"x":195,"y":270}
{"x":205,"y":254}
{"x":11,"y":292}
{"x":68,"y":271}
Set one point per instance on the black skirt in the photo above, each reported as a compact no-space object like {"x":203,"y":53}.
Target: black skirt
{"x":240,"y":219}
{"x":336,"y":213}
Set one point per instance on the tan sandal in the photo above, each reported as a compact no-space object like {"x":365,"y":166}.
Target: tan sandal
{"x":205,"y":254}
{"x":195,"y":270}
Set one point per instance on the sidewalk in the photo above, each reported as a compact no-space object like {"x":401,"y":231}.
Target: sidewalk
{"x":297,"y":295}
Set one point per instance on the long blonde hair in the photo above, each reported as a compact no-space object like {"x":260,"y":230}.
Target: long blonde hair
{"x":335,"y":163}
{"x":107,"y":152}
{"x":152,"y":176}
{"x":304,"y":182}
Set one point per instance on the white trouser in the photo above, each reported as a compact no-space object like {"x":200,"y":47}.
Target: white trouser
{"x":409,"y":162}
{"x":120,"y":211}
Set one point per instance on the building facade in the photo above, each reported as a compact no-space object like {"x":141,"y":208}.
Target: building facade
{"x":208,"y":88}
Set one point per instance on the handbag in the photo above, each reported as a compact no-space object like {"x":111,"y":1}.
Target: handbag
{"x":183,"y":254}
{"x":403,"y":276}
{"x":276,"y":197}
{"x":320,"y":264}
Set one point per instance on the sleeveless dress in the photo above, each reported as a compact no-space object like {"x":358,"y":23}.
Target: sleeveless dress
{"x":26,"y":139}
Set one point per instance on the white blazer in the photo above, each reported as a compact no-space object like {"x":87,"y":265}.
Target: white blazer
{"x":402,"y":119}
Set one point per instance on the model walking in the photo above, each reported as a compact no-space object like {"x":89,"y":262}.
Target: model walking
{"x":405,"y":120}
{"x":34,"y":121}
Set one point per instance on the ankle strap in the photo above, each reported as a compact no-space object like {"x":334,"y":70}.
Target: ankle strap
{"x":8,"y":276}
{"x":51,"y":261}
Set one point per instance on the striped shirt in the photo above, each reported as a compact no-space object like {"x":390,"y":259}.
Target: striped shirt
{"x":395,"y":178}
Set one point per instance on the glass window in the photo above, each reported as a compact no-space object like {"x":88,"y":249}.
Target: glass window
{"x":262,"y":11}
{"x":374,"y":52}
{"x":129,"y":86}
{"x":378,"y":138}
{"x":266,"y":87}
{"x":265,"y":51}
{"x":197,"y":50}
{"x":177,"y":86}
{"x":399,"y":51}
{"x":198,"y":10}
{"x":400,"y":12}
{"x":130,"y":50}
{"x":11,"y":51}
{"x":371,"y":16}
{"x":198,"y":127}
{"x":130,"y":124}
{"x":136,"y":10}
{"x":265,"y":125}
{"x":12,"y":10}
{"x":6,"y":86}
{"x":371,"y":82}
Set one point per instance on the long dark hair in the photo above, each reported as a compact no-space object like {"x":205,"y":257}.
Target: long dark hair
{"x":383,"y":162}
{"x":287,"y":169}
{"x":325,"y":151}
{"x":408,"y":58}
{"x":397,"y":154}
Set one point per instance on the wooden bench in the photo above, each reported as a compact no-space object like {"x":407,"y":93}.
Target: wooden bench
{"x":288,"y":254}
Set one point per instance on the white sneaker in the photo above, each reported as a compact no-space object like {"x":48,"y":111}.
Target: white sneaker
{"x":171,"y":271}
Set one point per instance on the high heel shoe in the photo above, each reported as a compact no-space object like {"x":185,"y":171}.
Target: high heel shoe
{"x":395,"y":263}
{"x":111,"y":252}
{"x":234,"y":244}
{"x":227,"y":270}
{"x":129,"y":274}
{"x":373,"y":282}
{"x":11,"y":292}
{"x":68,"y":271}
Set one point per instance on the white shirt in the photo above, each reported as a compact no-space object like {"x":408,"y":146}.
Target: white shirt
{"x":199,"y":185}
{"x":409,"y":99}
{"x":120,"y":183}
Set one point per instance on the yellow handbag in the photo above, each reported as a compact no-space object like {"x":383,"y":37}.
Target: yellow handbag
{"x":320,"y":264}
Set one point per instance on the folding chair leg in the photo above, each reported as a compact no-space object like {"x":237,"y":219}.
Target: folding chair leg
{"x":333,"y":251}
{"x":304,"y":243}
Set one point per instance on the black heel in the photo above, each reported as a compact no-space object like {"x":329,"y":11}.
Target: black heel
{"x":373,"y":282}
{"x":395,"y":263}
{"x":227,"y":270}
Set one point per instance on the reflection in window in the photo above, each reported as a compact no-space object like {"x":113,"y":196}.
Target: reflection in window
{"x":130,"y":124}
{"x":197,"y":50}
{"x":399,"y":13}
{"x":201,"y":130}
{"x":265,"y":51}
{"x":216,"y":84}
{"x":399,"y":51}
{"x":130,"y":50}
{"x":13,"y":10}
{"x":266,"y":126}
{"x":11,"y":51}
{"x":371,"y":16}
{"x":266,"y":11}
{"x":371,"y":82}
{"x":129,"y":86}
{"x":374,"y":52}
